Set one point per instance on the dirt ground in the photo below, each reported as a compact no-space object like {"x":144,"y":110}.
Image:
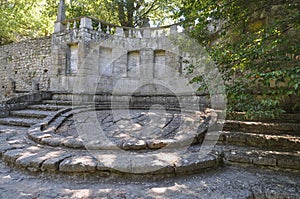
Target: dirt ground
{"x":228,"y":182}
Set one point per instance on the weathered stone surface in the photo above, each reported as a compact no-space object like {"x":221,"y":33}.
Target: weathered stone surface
{"x":52,"y":164}
{"x":157,"y":144}
{"x":265,"y":161}
{"x":194,"y":162}
{"x":11,"y":155}
{"x":237,"y":157}
{"x":52,"y":141}
{"x":25,"y":61}
{"x":292,"y":162}
{"x":78,"y":164}
{"x":31,"y":161}
{"x":72,"y":142}
{"x":26,"y":122}
{"x":5,"y":147}
{"x":134,"y":145}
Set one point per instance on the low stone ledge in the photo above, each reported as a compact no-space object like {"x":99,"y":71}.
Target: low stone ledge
{"x":289,"y":163}
{"x":258,"y":157}
{"x":281,"y":142}
{"x":262,"y":127}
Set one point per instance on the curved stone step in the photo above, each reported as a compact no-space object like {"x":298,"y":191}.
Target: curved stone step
{"x":10,"y":129}
{"x":264,"y":141}
{"x":283,"y":118}
{"x":65,"y":103}
{"x":258,"y":157}
{"x":31,"y":113}
{"x":177,"y":161}
{"x":262,"y":127}
{"x":19,"y":121}
{"x":47,"y":107}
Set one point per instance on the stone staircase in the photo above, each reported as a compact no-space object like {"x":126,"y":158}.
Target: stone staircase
{"x":273,"y":143}
{"x":28,"y":140}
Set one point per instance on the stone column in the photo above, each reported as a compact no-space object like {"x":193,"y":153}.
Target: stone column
{"x":147,"y":63}
{"x":61,"y":16}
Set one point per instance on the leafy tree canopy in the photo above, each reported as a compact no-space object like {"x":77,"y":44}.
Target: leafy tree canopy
{"x":22,"y":19}
{"x":256,"y":46}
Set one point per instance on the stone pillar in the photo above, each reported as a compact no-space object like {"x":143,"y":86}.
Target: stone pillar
{"x":119,"y":31}
{"x":10,"y":88}
{"x":86,"y":23}
{"x":147,"y":65}
{"x":61,"y":16}
{"x":35,"y":86}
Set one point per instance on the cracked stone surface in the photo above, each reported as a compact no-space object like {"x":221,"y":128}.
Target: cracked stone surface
{"x":140,"y":129}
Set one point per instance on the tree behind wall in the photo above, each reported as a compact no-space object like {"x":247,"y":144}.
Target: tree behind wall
{"x":256,"y":46}
{"x":23,"y":19}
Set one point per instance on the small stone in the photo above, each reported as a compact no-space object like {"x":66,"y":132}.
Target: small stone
{"x":105,"y":174}
{"x":132,"y":145}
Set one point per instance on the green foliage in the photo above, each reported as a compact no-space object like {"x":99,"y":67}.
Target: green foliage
{"x":130,"y":13}
{"x":22,"y":19}
{"x":256,"y":46}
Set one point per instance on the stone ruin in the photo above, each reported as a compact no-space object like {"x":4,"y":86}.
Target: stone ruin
{"x":118,"y":100}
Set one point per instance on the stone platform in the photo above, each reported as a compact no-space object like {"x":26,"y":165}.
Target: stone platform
{"x":148,"y":142}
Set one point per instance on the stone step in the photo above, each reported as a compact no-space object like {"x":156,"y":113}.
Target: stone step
{"x":47,"y":107}
{"x":173,"y":162}
{"x":11,"y":129}
{"x":262,"y":127}
{"x":57,"y":102}
{"x":263,"y":141}
{"x":68,"y":103}
{"x":19,"y":121}
{"x":31,"y":113}
{"x":283,"y":118}
{"x":258,"y":157}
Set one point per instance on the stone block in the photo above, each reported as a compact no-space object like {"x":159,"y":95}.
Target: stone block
{"x":52,"y":164}
{"x":289,"y":163}
{"x":264,"y":161}
{"x":78,"y":164}
{"x":237,"y":157}
{"x":11,"y":155}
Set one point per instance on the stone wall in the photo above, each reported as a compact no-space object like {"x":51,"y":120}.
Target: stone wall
{"x":24,"y":63}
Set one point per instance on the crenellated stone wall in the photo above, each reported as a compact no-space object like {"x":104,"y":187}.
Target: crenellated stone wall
{"x":24,"y":63}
